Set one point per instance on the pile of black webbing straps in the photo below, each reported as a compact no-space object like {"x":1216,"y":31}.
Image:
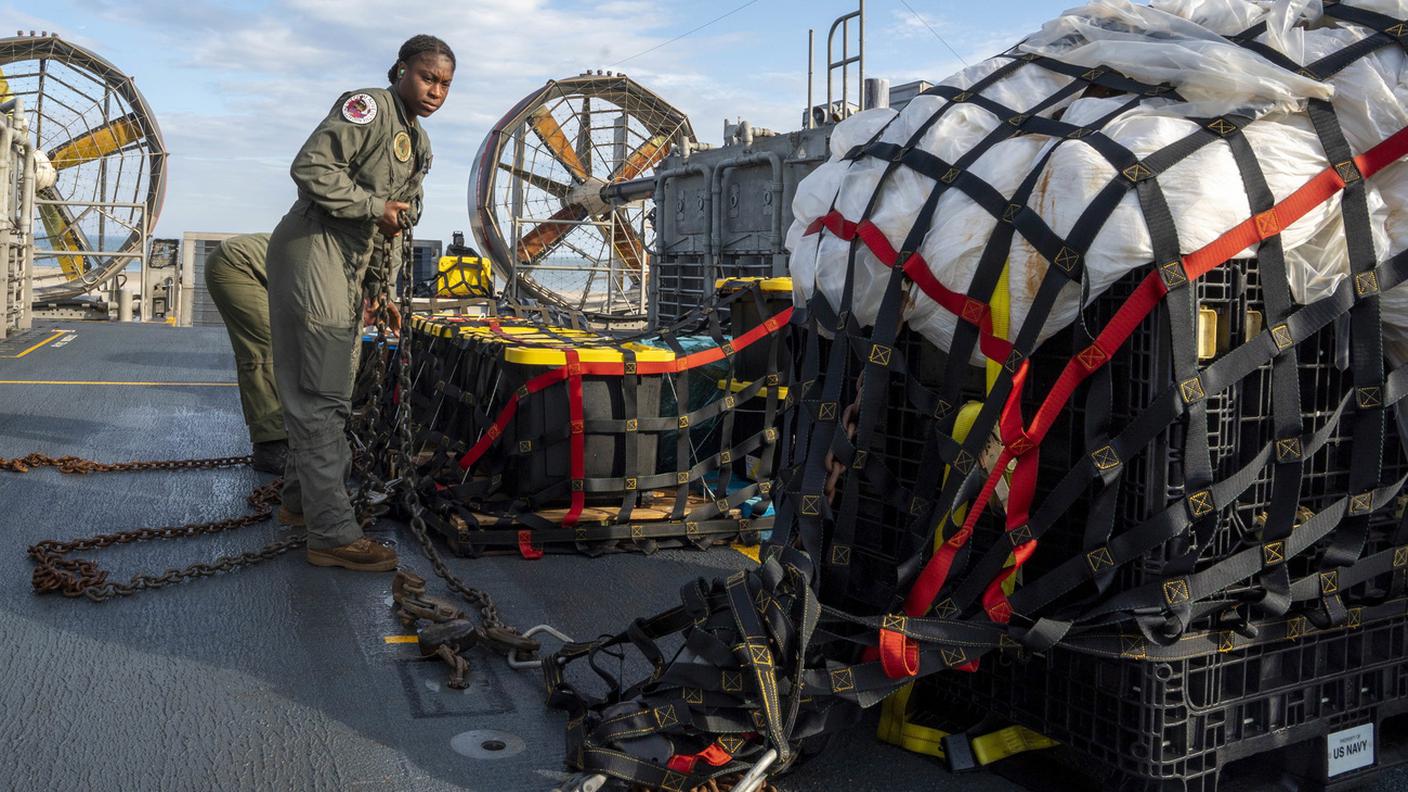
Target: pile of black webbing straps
{"x":773,"y":659}
{"x":539,"y":439}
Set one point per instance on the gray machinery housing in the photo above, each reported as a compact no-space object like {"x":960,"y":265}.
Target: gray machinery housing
{"x":724,"y":213}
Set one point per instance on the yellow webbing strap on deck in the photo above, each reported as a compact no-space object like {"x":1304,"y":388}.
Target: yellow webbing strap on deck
{"x":895,"y":727}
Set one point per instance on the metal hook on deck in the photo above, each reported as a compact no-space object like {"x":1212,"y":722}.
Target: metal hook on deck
{"x":754,"y":779}
{"x":514,"y":661}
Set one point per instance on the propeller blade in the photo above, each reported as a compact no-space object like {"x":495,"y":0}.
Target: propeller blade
{"x":626,"y":242}
{"x":540,"y":241}
{"x":63,"y":234}
{"x":555,"y":139}
{"x":96,"y":144}
{"x":584,"y":134}
{"x":555,"y":189}
{"x":643,"y":159}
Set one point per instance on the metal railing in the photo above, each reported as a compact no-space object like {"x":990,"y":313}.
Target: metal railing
{"x":843,"y":23}
{"x":18,"y":181}
{"x":128,"y":216}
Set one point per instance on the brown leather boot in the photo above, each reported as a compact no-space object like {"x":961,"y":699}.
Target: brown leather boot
{"x":290,"y":518}
{"x":363,"y":555}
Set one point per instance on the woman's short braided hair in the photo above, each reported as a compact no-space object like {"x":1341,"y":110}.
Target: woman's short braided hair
{"x":419,"y":45}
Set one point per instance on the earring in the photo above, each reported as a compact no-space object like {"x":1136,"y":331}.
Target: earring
{"x":401,"y":72}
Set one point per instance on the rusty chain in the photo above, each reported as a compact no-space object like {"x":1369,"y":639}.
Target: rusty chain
{"x":403,"y":453}
{"x":55,"y":571}
{"x":79,"y":465}
{"x":77,"y":577}
{"x":367,"y":421}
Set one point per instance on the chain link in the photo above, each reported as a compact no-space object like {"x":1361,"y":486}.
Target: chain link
{"x":77,"y":577}
{"x":367,"y":423}
{"x":79,"y":465}
{"x":401,"y":459}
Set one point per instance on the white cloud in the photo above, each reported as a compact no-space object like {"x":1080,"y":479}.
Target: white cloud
{"x":256,"y":79}
{"x":16,"y":20}
{"x":278,"y":69}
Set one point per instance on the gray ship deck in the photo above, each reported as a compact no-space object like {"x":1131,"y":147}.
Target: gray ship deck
{"x":277,"y":677}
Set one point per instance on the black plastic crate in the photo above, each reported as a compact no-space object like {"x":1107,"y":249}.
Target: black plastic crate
{"x":883,"y":536}
{"x":685,"y":282}
{"x":533,"y":456}
{"x":1197,"y":725}
{"x":1239,"y":424}
{"x":746,"y":313}
{"x":1179,"y":725}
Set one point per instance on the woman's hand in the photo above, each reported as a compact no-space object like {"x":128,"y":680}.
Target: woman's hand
{"x":390,"y":220}
{"x":393,"y":318}
{"x":393,"y":315}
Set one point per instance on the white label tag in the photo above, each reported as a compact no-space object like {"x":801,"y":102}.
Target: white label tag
{"x":1350,"y":749}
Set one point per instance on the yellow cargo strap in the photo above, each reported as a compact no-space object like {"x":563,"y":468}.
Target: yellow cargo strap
{"x":895,"y":726}
{"x":986,"y":748}
{"x":781,"y":285}
{"x":740,"y":385}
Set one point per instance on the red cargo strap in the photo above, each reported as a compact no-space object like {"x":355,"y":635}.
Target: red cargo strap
{"x":577,"y":438}
{"x":526,"y":548}
{"x":714,"y":756}
{"x":975,"y":312}
{"x":899,"y":655}
{"x":1128,"y":318}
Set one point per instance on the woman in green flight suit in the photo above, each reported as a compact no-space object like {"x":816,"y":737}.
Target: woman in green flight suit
{"x":361,"y":168}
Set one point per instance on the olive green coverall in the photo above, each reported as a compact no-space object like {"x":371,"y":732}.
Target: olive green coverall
{"x":367,"y":151}
{"x":239,"y":284}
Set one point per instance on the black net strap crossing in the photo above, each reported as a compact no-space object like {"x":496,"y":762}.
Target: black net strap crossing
{"x":1144,"y":485}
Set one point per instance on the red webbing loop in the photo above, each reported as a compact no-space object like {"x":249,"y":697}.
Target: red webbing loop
{"x":526,"y":548}
{"x":578,"y":438}
{"x":899,"y":655}
{"x":714,"y":756}
{"x":1126,"y":320}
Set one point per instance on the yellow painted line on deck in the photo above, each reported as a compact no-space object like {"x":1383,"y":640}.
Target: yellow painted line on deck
{"x":401,"y":639}
{"x":122,"y":382}
{"x":54,"y":335}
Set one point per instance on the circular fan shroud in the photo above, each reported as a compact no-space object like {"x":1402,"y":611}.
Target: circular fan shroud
{"x":534,"y":193}
{"x":91,"y":121}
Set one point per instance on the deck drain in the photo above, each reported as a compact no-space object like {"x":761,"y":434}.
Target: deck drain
{"x":486,"y":744}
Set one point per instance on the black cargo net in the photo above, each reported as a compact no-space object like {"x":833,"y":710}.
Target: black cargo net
{"x":539,"y":438}
{"x":1184,"y":504}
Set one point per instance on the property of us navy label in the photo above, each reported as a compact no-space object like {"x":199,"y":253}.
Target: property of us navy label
{"x":1350,"y":749}
{"x":359,"y":109}
{"x":401,"y":145}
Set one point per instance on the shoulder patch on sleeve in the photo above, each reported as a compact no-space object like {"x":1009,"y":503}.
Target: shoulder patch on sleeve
{"x":359,"y":108}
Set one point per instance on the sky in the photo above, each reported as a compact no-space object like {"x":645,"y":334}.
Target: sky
{"x":237,"y":87}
